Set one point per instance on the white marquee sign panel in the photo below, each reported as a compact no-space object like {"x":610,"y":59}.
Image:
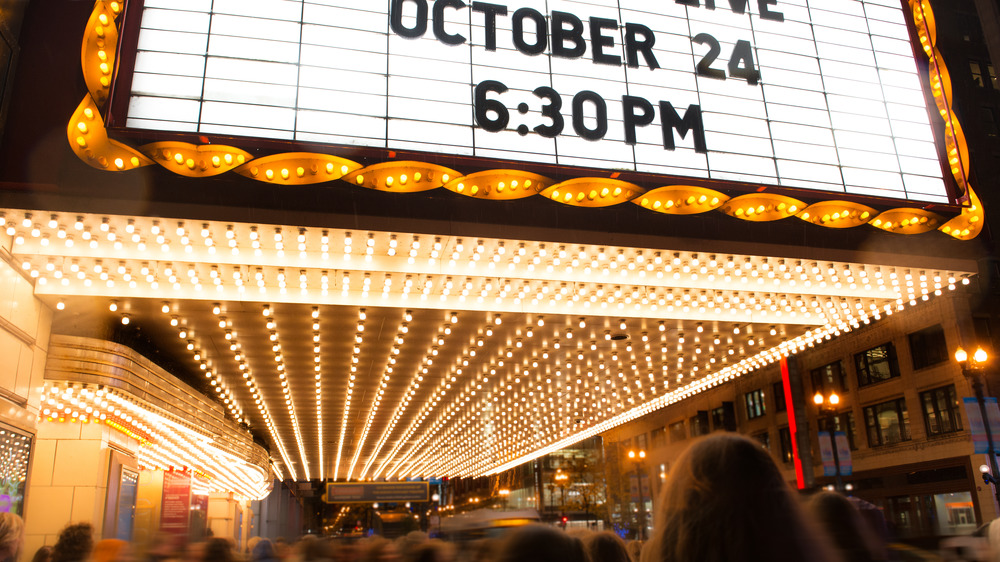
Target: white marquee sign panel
{"x":793,"y":93}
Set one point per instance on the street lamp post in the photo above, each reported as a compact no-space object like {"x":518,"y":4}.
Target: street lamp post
{"x":973,"y":369}
{"x":561,"y":478}
{"x":828,"y":405}
{"x":436,"y":498}
{"x":504,"y":492}
{"x":637,"y":458}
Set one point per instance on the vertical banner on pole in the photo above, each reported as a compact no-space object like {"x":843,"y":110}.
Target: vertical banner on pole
{"x":843,"y":453}
{"x":826,"y":453}
{"x":993,"y":416}
{"x":647,"y":491}
{"x":976,"y":426}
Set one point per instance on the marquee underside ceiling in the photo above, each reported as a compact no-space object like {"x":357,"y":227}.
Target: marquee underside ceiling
{"x":372,"y":354}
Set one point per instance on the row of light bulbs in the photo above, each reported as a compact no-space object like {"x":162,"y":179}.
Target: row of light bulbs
{"x":518,"y":450}
{"x":596,"y":259}
{"x":759,"y":305}
{"x":163,"y":443}
{"x":744,"y":367}
{"x":383,"y":383}
{"x":352,"y":379}
{"x":682,"y":266}
{"x":279,"y":365}
{"x":672,"y":284}
{"x":423,"y":369}
{"x":538,"y":323}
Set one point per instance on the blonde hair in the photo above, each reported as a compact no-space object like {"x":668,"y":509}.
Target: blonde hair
{"x":11,"y":532}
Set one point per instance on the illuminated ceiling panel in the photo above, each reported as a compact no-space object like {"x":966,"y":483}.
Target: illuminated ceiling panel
{"x":369,"y":354}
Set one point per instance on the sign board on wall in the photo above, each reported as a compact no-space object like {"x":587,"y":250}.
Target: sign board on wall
{"x":816,"y":95}
{"x":365,"y":492}
{"x":175,"y":508}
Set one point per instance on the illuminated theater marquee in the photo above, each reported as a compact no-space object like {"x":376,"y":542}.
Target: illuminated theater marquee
{"x":821,"y":95}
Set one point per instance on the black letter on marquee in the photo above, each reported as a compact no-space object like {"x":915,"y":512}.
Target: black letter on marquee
{"x":541,"y":32}
{"x":738,"y":6}
{"x":598,"y":132}
{"x":599,"y":41}
{"x":396,"y":19}
{"x":694,"y":3}
{"x":629,"y":105}
{"x":705,"y":64}
{"x":691,"y":121}
{"x":633,"y":46}
{"x":439,"y":32}
{"x":561,"y":35}
{"x":491,"y":11}
{"x":766,"y":13}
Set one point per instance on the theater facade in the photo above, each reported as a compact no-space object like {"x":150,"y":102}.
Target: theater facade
{"x":255,"y":242}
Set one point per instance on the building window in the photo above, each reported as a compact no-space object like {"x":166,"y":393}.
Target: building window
{"x":658,"y":437}
{"x":989,"y":122}
{"x":785,"y":436}
{"x":876,"y":364}
{"x":764,"y":438}
{"x":755,"y":403}
{"x":927,"y":347}
{"x":977,"y":73}
{"x":677,"y":432}
{"x":642,"y":442}
{"x":887,"y":423}
{"x":699,"y":424}
{"x":829,"y":377}
{"x":718,"y":418}
{"x":841,"y":422}
{"x":724,"y":417}
{"x":779,"y":397}
{"x":941,"y":410}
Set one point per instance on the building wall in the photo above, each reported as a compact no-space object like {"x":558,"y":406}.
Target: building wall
{"x":25,"y":324}
{"x":69,"y":477}
{"x":875,"y":466}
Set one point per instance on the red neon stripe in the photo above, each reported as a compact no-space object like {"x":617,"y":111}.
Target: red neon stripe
{"x":790,"y":407}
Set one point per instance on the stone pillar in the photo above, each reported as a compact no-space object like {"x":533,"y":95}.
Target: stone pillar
{"x":230,"y":518}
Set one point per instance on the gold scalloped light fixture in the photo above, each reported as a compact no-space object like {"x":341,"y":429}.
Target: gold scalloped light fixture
{"x":967,"y":225}
{"x":89,"y":140}
{"x":402,"y":177}
{"x":762,"y":207}
{"x":907,"y":221}
{"x":196,"y":161}
{"x":499,"y":185}
{"x":298,"y":168}
{"x":593,"y":192}
{"x":681,"y":200}
{"x":838,"y":214}
{"x":100,"y":44}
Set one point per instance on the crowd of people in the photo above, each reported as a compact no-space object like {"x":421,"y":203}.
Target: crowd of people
{"x":725,"y":501}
